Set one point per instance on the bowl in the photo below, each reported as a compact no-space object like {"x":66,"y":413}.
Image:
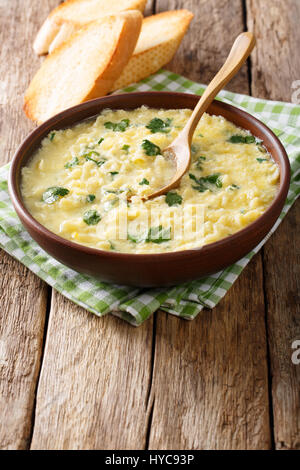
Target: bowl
{"x":158,"y":269}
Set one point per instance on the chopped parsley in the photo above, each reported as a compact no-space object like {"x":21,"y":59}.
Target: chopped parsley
{"x":90,"y":197}
{"x":126,"y":148}
{"x":260,"y":160}
{"x":100,"y":140}
{"x":117,"y":126}
{"x":144,"y":181}
{"x":233,"y":186}
{"x":114,"y":191}
{"x":199,"y":161}
{"x":88,"y":157}
{"x":158,"y":125}
{"x":241,"y":139}
{"x":91,"y":217}
{"x":54,"y":193}
{"x":173,"y":199}
{"x":154,"y":235}
{"x":72,"y":163}
{"x":112,"y":246}
{"x":113,"y":173}
{"x":159,"y":234}
{"x":261,"y":148}
{"x":150,"y":148}
{"x":51,"y":136}
{"x":136,"y":238}
{"x":206,"y":182}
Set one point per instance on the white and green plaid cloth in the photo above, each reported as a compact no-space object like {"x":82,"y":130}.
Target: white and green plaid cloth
{"x":133,"y":304}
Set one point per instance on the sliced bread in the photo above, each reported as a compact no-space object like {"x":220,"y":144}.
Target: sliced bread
{"x":73,"y":14}
{"x":160,"y":37}
{"x":83,"y":67}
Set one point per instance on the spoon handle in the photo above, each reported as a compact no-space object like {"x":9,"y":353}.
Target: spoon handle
{"x":240,"y":50}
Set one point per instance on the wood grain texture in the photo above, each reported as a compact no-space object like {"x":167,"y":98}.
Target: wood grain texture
{"x":210,"y":378}
{"x":282,"y":295}
{"x":22,"y":295}
{"x":94,"y":384}
{"x":22,"y":319}
{"x":169,"y":384}
{"x":275,"y":60}
{"x":275,"y":65}
{"x":210,"y":387}
{"x":212,"y":32}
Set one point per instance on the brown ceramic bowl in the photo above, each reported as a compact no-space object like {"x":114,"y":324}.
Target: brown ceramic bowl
{"x":150,"y":269}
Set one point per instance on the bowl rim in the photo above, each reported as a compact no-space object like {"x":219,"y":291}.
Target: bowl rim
{"x":15,"y":190}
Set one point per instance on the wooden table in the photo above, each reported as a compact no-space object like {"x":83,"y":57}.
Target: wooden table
{"x":70,"y":380}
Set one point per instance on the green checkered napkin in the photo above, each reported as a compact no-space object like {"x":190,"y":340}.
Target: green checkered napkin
{"x":132,"y":304}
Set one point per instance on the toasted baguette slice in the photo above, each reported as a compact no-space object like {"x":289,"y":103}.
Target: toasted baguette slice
{"x":160,"y":38}
{"x":73,"y":14}
{"x":84,"y":67}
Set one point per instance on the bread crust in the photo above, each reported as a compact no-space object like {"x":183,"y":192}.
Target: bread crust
{"x":44,"y":98}
{"x":147,"y":59}
{"x":52,"y":32}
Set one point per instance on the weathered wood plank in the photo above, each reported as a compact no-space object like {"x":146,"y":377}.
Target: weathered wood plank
{"x":204,"y":49}
{"x":276,"y":64}
{"x":94,"y":384}
{"x":210,"y":378}
{"x":210,"y":386}
{"x":275,"y":61}
{"x":22,"y":295}
{"x":22,"y":317}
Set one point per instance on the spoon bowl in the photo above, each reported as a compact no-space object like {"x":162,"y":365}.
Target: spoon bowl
{"x":180,"y":149}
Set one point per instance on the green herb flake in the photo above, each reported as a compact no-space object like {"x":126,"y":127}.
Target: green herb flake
{"x":158,"y":125}
{"x":51,"y":136}
{"x":113,"y":173}
{"x":126,"y":148}
{"x":241,"y":139}
{"x":144,"y":181}
{"x":150,"y":148}
{"x":112,"y":246}
{"x":173,"y":198}
{"x":232,"y":187}
{"x":90,"y":197}
{"x":118,"y":126}
{"x":154,"y":235}
{"x":54,"y":193}
{"x":136,"y":238}
{"x":206,"y":182}
{"x":159,"y":234}
{"x":100,"y":141}
{"x":88,"y":157}
{"x":260,"y":160}
{"x":114,"y":191}
{"x":91,"y":217}
{"x":72,"y":163}
{"x":199,"y":162}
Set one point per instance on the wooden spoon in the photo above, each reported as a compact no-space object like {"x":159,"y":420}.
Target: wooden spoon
{"x":180,"y":149}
